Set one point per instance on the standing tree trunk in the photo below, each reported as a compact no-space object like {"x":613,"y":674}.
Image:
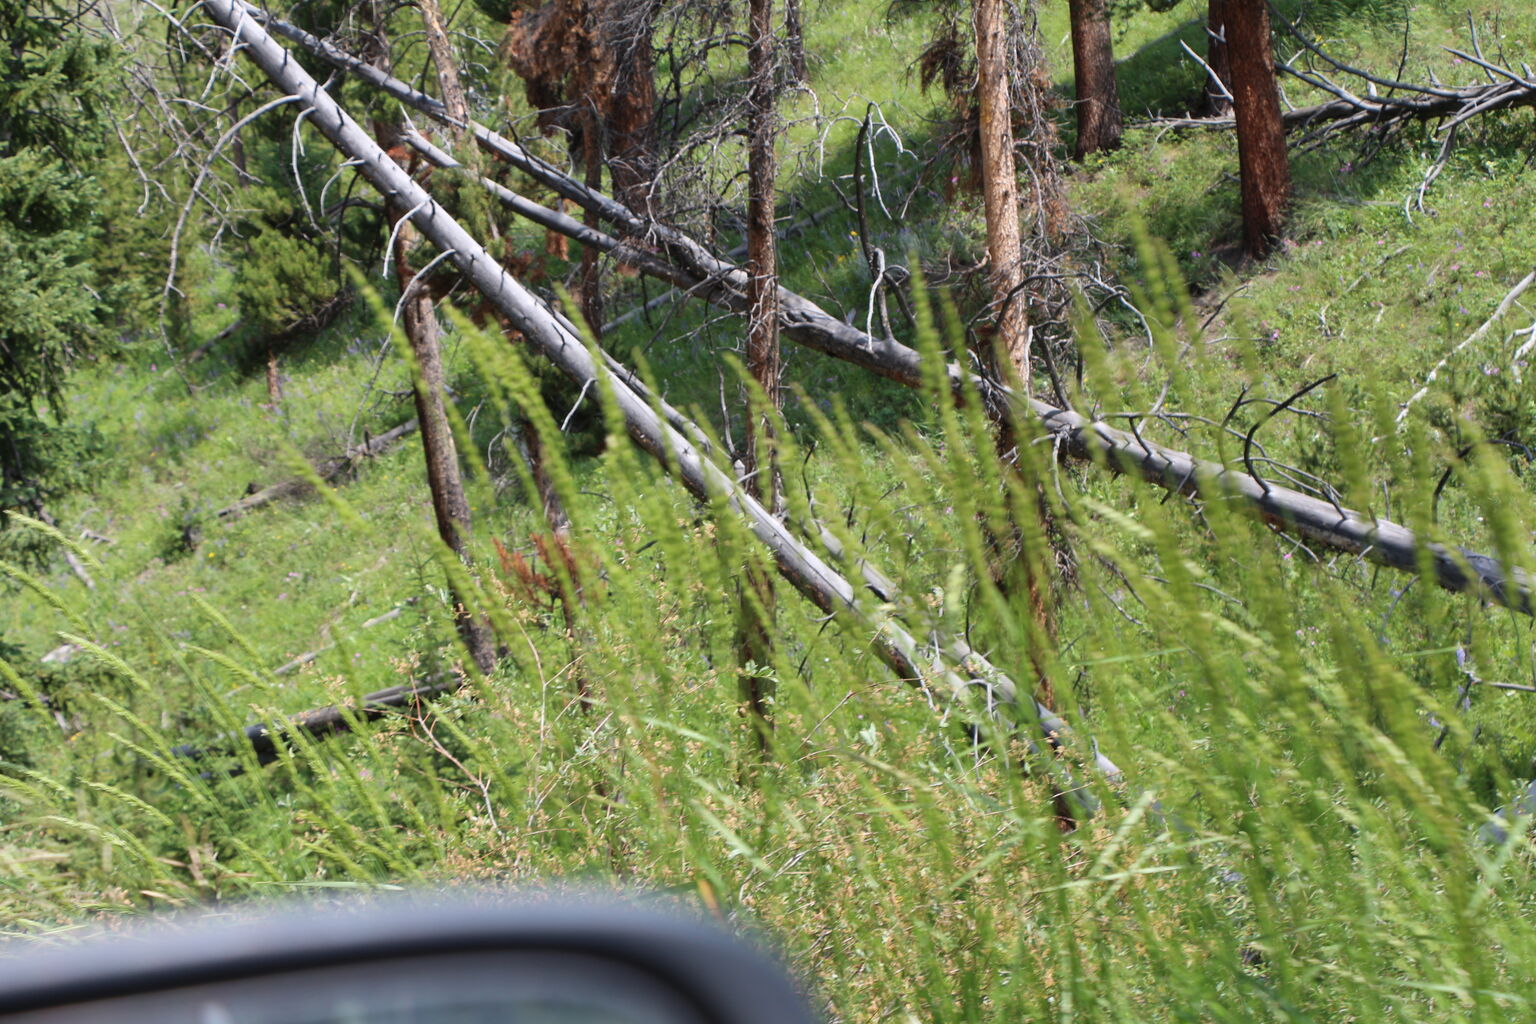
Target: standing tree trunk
{"x":1264,"y":165}
{"x":591,"y":257}
{"x":758,"y":461}
{"x":999,"y":183}
{"x":1216,"y":99}
{"x":1098,"y":97}
{"x":628,"y":99}
{"x":450,"y":507}
{"x":794,"y":41}
{"x":448,"y":83}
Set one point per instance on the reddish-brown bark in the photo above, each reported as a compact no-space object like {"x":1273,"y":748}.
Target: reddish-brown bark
{"x":593,"y":57}
{"x":1098,"y":96}
{"x":1264,"y":164}
{"x":999,"y":182}
{"x":1215,"y":99}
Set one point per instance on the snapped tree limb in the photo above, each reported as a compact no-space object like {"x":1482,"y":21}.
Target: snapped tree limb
{"x":1387,"y":101}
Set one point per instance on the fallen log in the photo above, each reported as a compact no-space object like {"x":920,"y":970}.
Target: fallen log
{"x":332,"y":720}
{"x":1506,"y":89}
{"x":327,"y":471}
{"x":944,"y":663}
{"x":804,"y":322}
{"x":1348,"y":110}
{"x":1377,"y":540}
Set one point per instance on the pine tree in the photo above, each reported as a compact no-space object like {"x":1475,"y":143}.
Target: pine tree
{"x":54,"y":89}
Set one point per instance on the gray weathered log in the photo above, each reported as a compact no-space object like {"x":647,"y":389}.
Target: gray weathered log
{"x":1377,"y":540}
{"x":945,"y":665}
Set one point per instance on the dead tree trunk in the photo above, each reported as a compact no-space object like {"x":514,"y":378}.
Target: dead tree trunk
{"x":794,"y":41}
{"x":1216,"y":97}
{"x":999,"y":183}
{"x":762,"y":256}
{"x":591,"y":258}
{"x":448,"y":84}
{"x":999,"y":177}
{"x":759,"y":463}
{"x":1098,"y":96}
{"x":628,"y":99}
{"x":450,"y":507}
{"x":1264,"y":165}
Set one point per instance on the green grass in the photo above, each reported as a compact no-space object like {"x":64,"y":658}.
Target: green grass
{"x":1296,"y":838}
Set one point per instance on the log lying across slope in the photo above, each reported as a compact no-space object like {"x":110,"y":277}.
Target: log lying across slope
{"x":328,"y":470}
{"x":265,"y":741}
{"x":945,"y":663}
{"x":671,"y":256}
{"x":1388,"y":101}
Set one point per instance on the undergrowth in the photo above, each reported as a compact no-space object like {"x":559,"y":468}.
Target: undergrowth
{"x":1293,"y":835}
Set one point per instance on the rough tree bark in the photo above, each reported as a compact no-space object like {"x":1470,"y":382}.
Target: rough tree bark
{"x":1000,"y":197}
{"x":591,"y":288}
{"x":1215,"y":98}
{"x":794,"y":41}
{"x":999,"y":182}
{"x":1264,"y":165}
{"x":450,"y":507}
{"x":448,"y":84}
{"x":1098,"y":95}
{"x":759,"y":464}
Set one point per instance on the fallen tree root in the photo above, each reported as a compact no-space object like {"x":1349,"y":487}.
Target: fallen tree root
{"x":943,"y":663}
{"x":328,"y":470}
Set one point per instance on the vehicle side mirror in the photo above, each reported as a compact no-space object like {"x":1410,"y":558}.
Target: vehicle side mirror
{"x":548,"y":962}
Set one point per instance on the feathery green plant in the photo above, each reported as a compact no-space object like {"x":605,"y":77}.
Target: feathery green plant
{"x":1296,"y":836}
